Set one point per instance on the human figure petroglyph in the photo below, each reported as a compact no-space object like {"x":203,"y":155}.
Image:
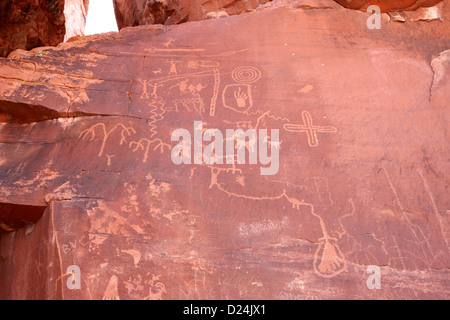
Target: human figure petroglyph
{"x":193,"y":88}
{"x":144,"y":94}
{"x":215,"y":171}
{"x":236,"y":142}
{"x":173,"y":67}
{"x":155,"y":87}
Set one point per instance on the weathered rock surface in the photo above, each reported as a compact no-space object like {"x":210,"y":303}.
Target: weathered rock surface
{"x":28,"y":24}
{"x":130,"y":13}
{"x":85,"y":141}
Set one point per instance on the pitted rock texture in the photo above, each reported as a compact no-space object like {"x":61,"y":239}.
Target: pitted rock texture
{"x":85,"y":137}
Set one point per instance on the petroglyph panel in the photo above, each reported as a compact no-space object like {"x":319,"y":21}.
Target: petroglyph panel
{"x":359,"y":182}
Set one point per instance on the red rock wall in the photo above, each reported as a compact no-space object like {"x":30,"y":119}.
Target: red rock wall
{"x":388,"y":5}
{"x":130,"y":13}
{"x":29,"y":262}
{"x":363,"y":175}
{"x":27,"y":24}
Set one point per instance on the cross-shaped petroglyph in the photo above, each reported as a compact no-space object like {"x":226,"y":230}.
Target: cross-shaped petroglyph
{"x":309,"y":129}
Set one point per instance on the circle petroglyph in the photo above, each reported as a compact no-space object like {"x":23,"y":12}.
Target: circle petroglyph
{"x":246,"y":74}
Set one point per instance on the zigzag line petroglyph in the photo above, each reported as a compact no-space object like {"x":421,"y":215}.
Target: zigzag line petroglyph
{"x":155,"y":115}
{"x":308,"y":128}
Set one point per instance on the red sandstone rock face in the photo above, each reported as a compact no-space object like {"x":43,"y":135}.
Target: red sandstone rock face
{"x":29,"y":24}
{"x":391,"y":5}
{"x":130,"y":13}
{"x":85,"y":141}
{"x":35,"y":23}
{"x":142,"y":12}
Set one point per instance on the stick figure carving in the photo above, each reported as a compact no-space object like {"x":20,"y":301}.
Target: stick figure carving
{"x":173,"y":67}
